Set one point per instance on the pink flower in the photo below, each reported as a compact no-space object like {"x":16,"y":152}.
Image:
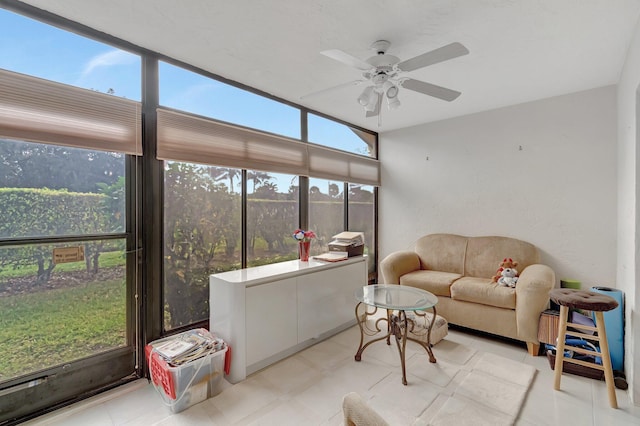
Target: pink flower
{"x":302,"y":235}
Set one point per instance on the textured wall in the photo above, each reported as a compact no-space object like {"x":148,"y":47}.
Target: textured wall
{"x":628,"y":212}
{"x":543,"y":172}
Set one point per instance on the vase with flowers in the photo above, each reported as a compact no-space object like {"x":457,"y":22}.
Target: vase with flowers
{"x":304,"y":243}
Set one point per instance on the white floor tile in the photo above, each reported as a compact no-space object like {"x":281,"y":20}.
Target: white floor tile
{"x":244,"y":398}
{"x":308,"y":387}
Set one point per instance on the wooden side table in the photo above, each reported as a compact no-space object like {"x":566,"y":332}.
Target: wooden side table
{"x":548,"y":326}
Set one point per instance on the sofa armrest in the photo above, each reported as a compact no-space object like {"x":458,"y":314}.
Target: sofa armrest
{"x":397,"y":264}
{"x":357,"y":412}
{"x":532,"y":297}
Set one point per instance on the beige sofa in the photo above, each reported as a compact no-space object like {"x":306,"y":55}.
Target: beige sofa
{"x":459,"y":269}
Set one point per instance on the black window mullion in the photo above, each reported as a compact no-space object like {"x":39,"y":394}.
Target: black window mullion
{"x":243,"y":220}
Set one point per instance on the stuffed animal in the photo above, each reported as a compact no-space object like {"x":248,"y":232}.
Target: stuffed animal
{"x":507,"y":262}
{"x":509,"y":277}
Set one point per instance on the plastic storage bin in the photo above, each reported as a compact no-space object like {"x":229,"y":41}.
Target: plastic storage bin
{"x":190,"y":383}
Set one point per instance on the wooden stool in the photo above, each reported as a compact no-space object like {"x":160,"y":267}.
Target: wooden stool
{"x":598,"y":303}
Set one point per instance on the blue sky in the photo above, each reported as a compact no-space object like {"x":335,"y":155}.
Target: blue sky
{"x":31,"y":47}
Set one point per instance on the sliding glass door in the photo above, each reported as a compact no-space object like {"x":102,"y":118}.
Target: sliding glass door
{"x":67,"y":274}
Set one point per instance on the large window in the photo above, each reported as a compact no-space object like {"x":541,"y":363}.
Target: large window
{"x":362,"y":218}
{"x":233,"y":164}
{"x":272,"y":216}
{"x":326,"y":211}
{"x":191,"y":92}
{"x":201,"y":236}
{"x":30,"y":47}
{"x":336,"y":135}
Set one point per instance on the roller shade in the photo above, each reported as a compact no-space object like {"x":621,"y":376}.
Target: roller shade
{"x":37,"y":110}
{"x":184,"y":137}
{"x":338,"y":165}
{"x":190,"y":138}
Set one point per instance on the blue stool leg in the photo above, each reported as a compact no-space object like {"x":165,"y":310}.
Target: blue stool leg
{"x":606,"y":360}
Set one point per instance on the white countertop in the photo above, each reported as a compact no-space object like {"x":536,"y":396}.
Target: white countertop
{"x":256,"y":274}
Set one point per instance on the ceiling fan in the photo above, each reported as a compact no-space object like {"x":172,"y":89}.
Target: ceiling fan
{"x":383,"y":74}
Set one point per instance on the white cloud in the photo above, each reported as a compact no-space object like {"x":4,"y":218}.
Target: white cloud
{"x":113,"y":57}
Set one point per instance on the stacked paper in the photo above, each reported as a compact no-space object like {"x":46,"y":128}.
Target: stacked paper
{"x":348,"y":239}
{"x":188,"y":346}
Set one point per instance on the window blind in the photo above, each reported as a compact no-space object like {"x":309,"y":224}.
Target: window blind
{"x":190,"y":138}
{"x":38,"y":110}
{"x":185,"y":137}
{"x":333,"y":164}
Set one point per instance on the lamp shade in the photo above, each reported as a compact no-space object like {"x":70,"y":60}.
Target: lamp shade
{"x":390,"y":90}
{"x":365,"y":96}
{"x":393,"y":103}
{"x":373,"y":102}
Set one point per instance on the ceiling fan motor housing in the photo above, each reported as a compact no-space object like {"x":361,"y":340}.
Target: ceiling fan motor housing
{"x":380,"y":46}
{"x":382,"y":63}
{"x":379,"y":78}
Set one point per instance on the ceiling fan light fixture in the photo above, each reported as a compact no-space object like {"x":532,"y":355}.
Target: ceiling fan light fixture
{"x":365,"y":97}
{"x":393,"y":103}
{"x":373,"y":102}
{"x":390,"y":89}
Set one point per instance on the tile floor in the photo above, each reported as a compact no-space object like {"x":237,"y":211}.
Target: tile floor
{"x":307,"y":389}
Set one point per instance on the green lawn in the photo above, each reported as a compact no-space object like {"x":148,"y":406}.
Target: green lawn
{"x":107,"y":260}
{"x":38,"y":330}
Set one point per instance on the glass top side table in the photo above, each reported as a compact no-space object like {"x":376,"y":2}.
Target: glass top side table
{"x":397,"y":300}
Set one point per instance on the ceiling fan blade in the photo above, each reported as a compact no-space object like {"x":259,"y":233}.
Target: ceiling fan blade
{"x":376,"y":111}
{"x":345,"y":58}
{"x":443,"y":53}
{"x":332,"y":89}
{"x":430,"y":89}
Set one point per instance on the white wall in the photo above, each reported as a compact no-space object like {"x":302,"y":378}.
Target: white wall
{"x":543,"y":172}
{"x":628,"y":211}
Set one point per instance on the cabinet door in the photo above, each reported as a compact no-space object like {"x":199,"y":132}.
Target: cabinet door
{"x":271,"y":314}
{"x":326,"y":299}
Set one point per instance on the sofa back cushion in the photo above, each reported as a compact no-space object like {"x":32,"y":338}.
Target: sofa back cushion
{"x":442,"y":252}
{"x":484,"y":255}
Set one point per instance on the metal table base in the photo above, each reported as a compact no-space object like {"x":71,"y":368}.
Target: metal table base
{"x":398,"y":326}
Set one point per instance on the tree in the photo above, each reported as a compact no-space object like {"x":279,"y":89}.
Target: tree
{"x":356,"y":193}
{"x":33,"y":165}
{"x":334,"y":190}
{"x":258,"y":178}
{"x":199,"y":216}
{"x":315,"y":193}
{"x":112,"y":219}
{"x":44,"y":212}
{"x":220,"y":173}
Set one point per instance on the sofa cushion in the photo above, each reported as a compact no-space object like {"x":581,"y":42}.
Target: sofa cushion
{"x":436,"y":282}
{"x":481,"y":290}
{"x":484,"y":255}
{"x":442,"y":252}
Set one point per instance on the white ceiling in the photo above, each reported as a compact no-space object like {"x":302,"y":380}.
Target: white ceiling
{"x":520,"y":50}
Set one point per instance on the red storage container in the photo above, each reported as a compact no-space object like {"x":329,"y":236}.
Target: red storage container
{"x":187,"y":384}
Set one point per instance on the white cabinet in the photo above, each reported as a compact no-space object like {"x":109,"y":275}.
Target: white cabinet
{"x":326,"y":300}
{"x":269,"y":312}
